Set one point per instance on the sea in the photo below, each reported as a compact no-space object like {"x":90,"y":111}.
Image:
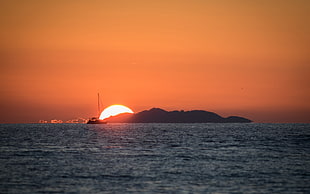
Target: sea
{"x":155,"y":158}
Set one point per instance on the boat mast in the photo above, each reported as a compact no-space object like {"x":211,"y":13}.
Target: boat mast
{"x":98,"y":107}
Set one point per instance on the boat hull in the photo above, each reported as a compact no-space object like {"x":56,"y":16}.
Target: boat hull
{"x":96,"y":122}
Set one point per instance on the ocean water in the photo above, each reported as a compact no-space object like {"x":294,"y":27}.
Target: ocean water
{"x":155,"y":158}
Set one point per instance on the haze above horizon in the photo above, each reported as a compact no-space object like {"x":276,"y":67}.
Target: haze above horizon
{"x":245,"y":58}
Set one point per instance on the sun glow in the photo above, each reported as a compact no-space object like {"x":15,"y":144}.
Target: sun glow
{"x":114,"y":110}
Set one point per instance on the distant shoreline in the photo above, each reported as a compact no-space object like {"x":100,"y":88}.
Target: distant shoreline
{"x":158,"y":115}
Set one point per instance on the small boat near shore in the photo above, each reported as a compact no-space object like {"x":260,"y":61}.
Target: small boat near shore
{"x":96,"y":120}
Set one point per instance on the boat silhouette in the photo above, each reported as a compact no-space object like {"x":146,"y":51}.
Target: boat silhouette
{"x":96,"y":120}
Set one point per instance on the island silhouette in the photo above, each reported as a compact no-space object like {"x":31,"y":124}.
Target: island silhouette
{"x":158,"y":115}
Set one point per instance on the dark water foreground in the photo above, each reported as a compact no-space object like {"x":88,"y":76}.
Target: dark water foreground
{"x":155,"y":158}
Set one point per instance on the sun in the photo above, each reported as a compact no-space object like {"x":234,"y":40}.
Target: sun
{"x":114,"y":110}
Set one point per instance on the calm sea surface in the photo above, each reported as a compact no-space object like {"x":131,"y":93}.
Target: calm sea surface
{"x":155,"y":158}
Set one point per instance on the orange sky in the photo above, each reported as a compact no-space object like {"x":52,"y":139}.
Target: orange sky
{"x":247,"y":58}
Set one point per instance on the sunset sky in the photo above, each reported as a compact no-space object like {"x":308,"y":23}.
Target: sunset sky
{"x":236,"y":57}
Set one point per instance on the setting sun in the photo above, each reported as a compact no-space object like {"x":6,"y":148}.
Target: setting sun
{"x":114,"y":110}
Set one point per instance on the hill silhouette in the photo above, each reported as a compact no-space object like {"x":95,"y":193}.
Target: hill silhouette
{"x":157,"y":115}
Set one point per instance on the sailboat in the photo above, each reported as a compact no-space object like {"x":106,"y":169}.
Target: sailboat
{"x":96,"y":120}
